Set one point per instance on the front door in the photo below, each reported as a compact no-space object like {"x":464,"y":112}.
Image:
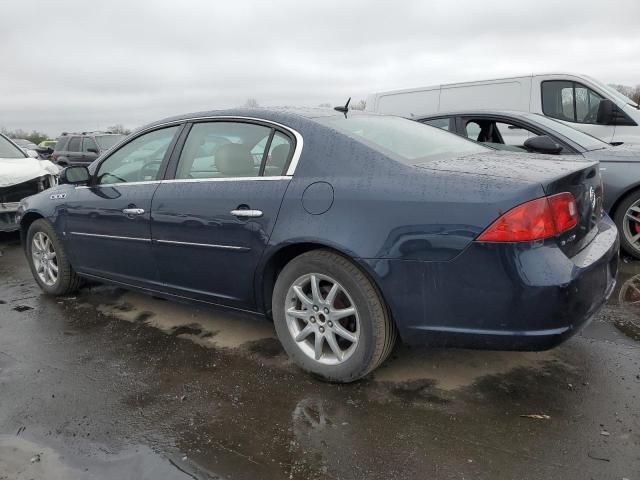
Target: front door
{"x":108,"y":222}
{"x":211,"y":223}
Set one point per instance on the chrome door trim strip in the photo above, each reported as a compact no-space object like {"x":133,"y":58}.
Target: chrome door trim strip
{"x":120,"y":184}
{"x":112,"y":237}
{"x":206,"y":245}
{"x":222,"y":179}
{"x":187,"y":180}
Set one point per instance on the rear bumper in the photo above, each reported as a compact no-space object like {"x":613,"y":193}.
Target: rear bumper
{"x":501,"y":296}
{"x":8,"y":217}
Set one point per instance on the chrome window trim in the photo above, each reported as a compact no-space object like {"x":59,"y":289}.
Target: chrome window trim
{"x":294,"y":159}
{"x":207,"y":245}
{"x":113,"y":237}
{"x":223,"y":179}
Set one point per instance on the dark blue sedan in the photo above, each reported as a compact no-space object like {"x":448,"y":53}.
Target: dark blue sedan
{"x":347,"y":230}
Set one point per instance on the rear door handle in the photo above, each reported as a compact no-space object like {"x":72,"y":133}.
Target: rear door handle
{"x":131,"y":212}
{"x":247,"y":213}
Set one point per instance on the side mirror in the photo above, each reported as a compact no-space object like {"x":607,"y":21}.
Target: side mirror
{"x":75,"y":175}
{"x":606,"y":112}
{"x":92,"y":150}
{"x":542,"y":144}
{"x":32,"y":153}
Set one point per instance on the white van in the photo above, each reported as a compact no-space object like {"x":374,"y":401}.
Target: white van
{"x":577,"y":100}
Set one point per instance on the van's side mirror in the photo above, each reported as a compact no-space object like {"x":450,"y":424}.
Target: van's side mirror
{"x":542,"y":144}
{"x":606,"y":112}
{"x":611,"y":114}
{"x":92,"y":150}
{"x":75,"y":175}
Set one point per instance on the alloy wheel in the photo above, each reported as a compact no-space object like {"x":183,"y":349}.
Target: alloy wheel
{"x":44,"y":258}
{"x":631,"y":225}
{"x":322,"y":318}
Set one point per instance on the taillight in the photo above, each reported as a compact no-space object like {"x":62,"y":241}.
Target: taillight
{"x":534,"y":220}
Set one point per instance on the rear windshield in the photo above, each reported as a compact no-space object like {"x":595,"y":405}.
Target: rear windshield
{"x":9,"y":150}
{"x":585,"y":140}
{"x":404,"y":140}
{"x":107,"y":141}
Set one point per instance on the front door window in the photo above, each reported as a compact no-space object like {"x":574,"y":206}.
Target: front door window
{"x":138,"y":160}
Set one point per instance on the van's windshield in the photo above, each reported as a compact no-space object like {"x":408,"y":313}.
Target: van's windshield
{"x":613,"y":92}
{"x":403,"y":140}
{"x":585,"y":140}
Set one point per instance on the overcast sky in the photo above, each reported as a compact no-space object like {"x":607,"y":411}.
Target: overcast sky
{"x":84,"y":64}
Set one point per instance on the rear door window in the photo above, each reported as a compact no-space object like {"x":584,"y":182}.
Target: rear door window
{"x":232,"y":149}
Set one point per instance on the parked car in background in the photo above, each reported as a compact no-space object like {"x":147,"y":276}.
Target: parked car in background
{"x":577,"y":100}
{"x":530,"y":132}
{"x":20,"y":176}
{"x":45,"y":148}
{"x":27,"y":146}
{"x":345,"y":228}
{"x":47,"y":143}
{"x":83,"y":148}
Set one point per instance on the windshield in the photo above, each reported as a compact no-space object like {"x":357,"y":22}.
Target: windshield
{"x":107,"y":141}
{"x":9,"y":150}
{"x":614,"y":93}
{"x":584,"y":140}
{"x":404,"y":140}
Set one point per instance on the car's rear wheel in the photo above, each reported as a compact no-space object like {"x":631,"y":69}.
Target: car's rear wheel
{"x":48,"y":260}
{"x":330,"y":318}
{"x":627,"y":219}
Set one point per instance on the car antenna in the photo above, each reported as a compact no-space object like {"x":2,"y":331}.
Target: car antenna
{"x":344,"y":109}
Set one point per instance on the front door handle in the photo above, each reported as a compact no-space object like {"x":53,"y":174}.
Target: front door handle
{"x":247,"y":213}
{"x":132,"y":212}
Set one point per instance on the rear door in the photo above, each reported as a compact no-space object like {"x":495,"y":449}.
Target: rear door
{"x":108,"y":222}
{"x":212,"y":221}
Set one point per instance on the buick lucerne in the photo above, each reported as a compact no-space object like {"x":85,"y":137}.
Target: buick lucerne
{"x":348,"y":230}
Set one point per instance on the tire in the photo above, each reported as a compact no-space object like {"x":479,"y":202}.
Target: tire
{"x":361,"y":341}
{"x":66,"y":280}
{"x":627,"y":227}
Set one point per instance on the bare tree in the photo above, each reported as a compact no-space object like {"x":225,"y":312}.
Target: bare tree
{"x":632,"y":92}
{"x":34,"y":137}
{"x":251,"y":103}
{"x":359,"y":105}
{"x":118,"y":128}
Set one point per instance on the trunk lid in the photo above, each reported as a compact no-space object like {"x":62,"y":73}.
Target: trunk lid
{"x":555,"y":174}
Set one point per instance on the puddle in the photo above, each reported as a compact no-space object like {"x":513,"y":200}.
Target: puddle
{"x":206,"y":326}
{"x":450,"y":369}
{"x":21,"y":459}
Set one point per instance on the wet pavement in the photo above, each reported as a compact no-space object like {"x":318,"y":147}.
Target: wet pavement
{"x":112,"y":384}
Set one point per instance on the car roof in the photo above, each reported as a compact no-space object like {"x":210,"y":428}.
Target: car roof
{"x":276,"y":114}
{"x":506,"y":113}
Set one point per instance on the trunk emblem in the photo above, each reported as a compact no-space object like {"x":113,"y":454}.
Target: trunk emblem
{"x":592,"y":198}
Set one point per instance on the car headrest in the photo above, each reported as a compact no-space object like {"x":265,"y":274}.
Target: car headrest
{"x":279,"y":155}
{"x":234,"y":160}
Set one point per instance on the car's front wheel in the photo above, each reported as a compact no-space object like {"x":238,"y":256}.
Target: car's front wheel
{"x":330,"y":318}
{"x":48,"y":260}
